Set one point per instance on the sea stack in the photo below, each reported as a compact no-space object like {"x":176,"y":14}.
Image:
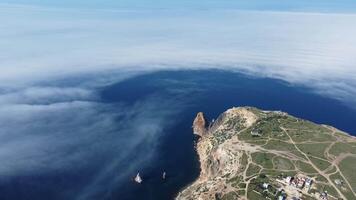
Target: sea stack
{"x":199,"y":125}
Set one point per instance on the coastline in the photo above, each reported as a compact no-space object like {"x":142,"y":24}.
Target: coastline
{"x":205,"y":131}
{"x":197,"y":180}
{"x":221,"y":151}
{"x":176,"y":196}
{"x":199,"y":128}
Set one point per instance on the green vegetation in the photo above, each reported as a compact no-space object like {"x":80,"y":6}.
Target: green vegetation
{"x":329,"y":189}
{"x":331,"y":170}
{"x":258,"y":142}
{"x":305,"y":167}
{"x":220,"y":137}
{"x":235,"y":123}
{"x":268,"y":127}
{"x":256,"y":186}
{"x":347,"y":167}
{"x":310,"y":135}
{"x":301,"y":124}
{"x":309,"y":138}
{"x":230,"y":196}
{"x":257,"y":112}
{"x":305,"y":197}
{"x":277,"y":173}
{"x":302,"y":130}
{"x":251,"y":194}
{"x":320,"y":164}
{"x":241,"y":192}
{"x":235,"y":181}
{"x":277,"y":146}
{"x":283,"y":146}
{"x":339,"y":148}
{"x":344,"y":188}
{"x":316,"y":150}
{"x":282,"y":163}
{"x":335,"y":176}
{"x":263,"y":159}
{"x":247,"y":136}
{"x":243,"y":161}
{"x":242,"y":185}
{"x":321,"y":178}
{"x":252,"y":169}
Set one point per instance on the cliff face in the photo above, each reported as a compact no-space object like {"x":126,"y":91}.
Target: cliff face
{"x":215,"y":162}
{"x":246,"y":148}
{"x":200,"y":125}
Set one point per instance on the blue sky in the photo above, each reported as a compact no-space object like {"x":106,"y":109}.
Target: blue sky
{"x":280,"y":5}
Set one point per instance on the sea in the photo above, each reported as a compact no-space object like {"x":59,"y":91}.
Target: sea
{"x":181,"y":94}
{"x":213,"y":92}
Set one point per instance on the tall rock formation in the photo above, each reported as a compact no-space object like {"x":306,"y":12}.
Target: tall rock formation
{"x":200,"y":125}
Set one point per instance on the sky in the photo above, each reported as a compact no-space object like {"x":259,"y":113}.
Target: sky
{"x":308,"y":42}
{"x":301,"y":5}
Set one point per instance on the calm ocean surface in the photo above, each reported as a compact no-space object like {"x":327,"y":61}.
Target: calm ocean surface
{"x":185,"y":93}
{"x":212,"y":92}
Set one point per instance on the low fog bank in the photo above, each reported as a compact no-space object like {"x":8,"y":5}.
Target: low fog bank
{"x":312,"y":49}
{"x":49,"y":130}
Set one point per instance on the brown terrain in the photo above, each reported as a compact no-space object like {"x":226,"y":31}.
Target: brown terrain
{"x":246,"y":149}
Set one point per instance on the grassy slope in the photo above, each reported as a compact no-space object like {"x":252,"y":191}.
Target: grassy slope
{"x":313,"y":144}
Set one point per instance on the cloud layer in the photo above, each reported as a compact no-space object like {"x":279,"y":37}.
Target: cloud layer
{"x":40,"y":43}
{"x":49,"y":130}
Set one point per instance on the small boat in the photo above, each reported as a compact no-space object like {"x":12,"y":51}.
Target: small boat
{"x":164,"y":175}
{"x":138,"y":178}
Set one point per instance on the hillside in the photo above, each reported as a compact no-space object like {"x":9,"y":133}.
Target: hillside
{"x":252,"y":154}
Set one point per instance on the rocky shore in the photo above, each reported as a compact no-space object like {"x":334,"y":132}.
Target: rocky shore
{"x":247,"y":149}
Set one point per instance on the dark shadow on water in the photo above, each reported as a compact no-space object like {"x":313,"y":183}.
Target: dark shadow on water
{"x":213,"y":91}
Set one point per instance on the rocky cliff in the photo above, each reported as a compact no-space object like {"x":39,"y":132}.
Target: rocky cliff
{"x":200,"y":125}
{"x":247,"y":153}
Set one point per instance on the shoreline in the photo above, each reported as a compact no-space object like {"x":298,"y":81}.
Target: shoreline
{"x":191,"y":183}
{"x":221,"y":150}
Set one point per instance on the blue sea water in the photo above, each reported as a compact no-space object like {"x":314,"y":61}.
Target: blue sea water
{"x":213,"y":92}
{"x":185,"y":93}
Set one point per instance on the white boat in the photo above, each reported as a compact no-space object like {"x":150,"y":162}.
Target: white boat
{"x":164,"y":175}
{"x":138,"y":178}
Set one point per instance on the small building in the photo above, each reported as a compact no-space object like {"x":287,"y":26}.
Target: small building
{"x":256,"y":133}
{"x":301,"y":182}
{"x":308,"y":182}
{"x":281,"y":197}
{"x":324,"y":195}
{"x":265,"y":185}
{"x":294,"y":182}
{"x":338,"y":182}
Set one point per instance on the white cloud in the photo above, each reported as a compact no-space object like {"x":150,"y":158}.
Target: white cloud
{"x":42,"y":95}
{"x":60,"y":129}
{"x":305,"y":48}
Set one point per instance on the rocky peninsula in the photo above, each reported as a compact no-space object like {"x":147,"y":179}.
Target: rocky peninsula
{"x":252,"y":154}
